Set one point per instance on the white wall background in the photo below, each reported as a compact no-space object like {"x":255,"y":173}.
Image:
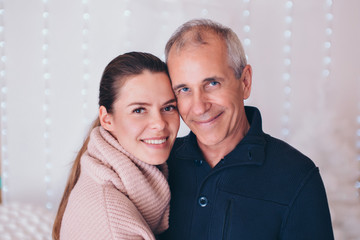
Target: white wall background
{"x":305,"y":58}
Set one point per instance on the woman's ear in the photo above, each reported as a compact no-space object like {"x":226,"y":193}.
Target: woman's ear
{"x":106,"y":120}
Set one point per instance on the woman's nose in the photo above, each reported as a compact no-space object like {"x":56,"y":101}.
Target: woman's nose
{"x":158,"y":121}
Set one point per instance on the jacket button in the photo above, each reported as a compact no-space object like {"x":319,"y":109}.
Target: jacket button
{"x":249,"y":155}
{"x":203,"y":201}
{"x":198,"y":162}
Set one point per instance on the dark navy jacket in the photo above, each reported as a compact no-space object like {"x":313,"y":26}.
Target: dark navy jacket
{"x":263,"y":189}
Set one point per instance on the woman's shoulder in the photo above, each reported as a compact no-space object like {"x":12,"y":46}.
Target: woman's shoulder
{"x":86,"y":201}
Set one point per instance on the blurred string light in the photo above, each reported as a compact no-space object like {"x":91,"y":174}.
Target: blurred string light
{"x":246,"y":26}
{"x":357,"y":184}
{"x":85,"y":60}
{"x":204,"y":12}
{"x":286,"y":76}
{"x":165,"y":16}
{"x":4,"y":180}
{"x":327,"y":44}
{"x":127,"y":23}
{"x":327,"y":60}
{"x":46,"y":105}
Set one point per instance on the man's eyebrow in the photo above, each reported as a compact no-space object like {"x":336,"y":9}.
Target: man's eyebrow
{"x":209,"y":79}
{"x":176,"y":87}
{"x":214,"y":78}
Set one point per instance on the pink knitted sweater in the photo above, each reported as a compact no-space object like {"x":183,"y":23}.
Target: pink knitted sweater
{"x":117,"y":196}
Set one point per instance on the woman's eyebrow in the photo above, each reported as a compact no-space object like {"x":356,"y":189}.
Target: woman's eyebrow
{"x":138,"y":103}
{"x":173,"y":100}
{"x":148,"y":104}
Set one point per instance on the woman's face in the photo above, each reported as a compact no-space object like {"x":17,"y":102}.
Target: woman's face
{"x":145,"y":119}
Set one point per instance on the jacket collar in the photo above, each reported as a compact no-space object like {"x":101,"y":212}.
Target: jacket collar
{"x":250,"y":150}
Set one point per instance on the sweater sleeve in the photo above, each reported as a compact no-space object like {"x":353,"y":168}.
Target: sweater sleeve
{"x":309,"y":216}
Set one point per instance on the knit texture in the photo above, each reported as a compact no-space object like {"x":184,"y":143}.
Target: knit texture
{"x":117,"y":196}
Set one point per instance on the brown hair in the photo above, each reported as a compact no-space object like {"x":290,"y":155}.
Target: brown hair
{"x":114,"y":76}
{"x":196,"y":31}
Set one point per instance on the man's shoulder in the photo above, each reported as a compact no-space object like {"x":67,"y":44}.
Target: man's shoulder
{"x":282,"y":153}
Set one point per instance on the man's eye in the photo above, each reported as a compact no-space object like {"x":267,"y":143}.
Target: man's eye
{"x":213,"y":83}
{"x":184,"y":89}
{"x":139,"y":110}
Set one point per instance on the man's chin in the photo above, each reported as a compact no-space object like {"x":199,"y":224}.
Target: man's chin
{"x":208,"y":139}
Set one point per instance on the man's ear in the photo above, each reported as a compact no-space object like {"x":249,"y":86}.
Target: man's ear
{"x":247,"y":81}
{"x":106,"y":120}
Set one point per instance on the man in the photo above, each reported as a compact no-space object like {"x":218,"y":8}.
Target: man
{"x":228,"y":179}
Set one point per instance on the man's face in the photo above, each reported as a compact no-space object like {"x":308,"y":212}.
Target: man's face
{"x":210,"y":98}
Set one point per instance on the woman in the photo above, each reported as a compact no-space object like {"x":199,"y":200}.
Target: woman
{"x":118,"y":187}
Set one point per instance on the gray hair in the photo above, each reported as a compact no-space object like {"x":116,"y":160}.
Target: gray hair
{"x":194,"y":31}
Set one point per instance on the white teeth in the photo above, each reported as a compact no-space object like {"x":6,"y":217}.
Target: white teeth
{"x":157,"y":141}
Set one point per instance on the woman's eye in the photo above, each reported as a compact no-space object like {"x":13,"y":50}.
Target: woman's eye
{"x":169,"y":108}
{"x":139,"y":110}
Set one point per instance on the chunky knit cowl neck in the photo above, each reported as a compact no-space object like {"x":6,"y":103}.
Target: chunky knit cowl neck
{"x":142,"y":185}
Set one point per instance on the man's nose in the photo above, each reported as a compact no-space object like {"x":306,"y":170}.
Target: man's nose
{"x":200,"y":103}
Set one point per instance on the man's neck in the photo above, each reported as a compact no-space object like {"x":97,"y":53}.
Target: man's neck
{"x":214,"y":153}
